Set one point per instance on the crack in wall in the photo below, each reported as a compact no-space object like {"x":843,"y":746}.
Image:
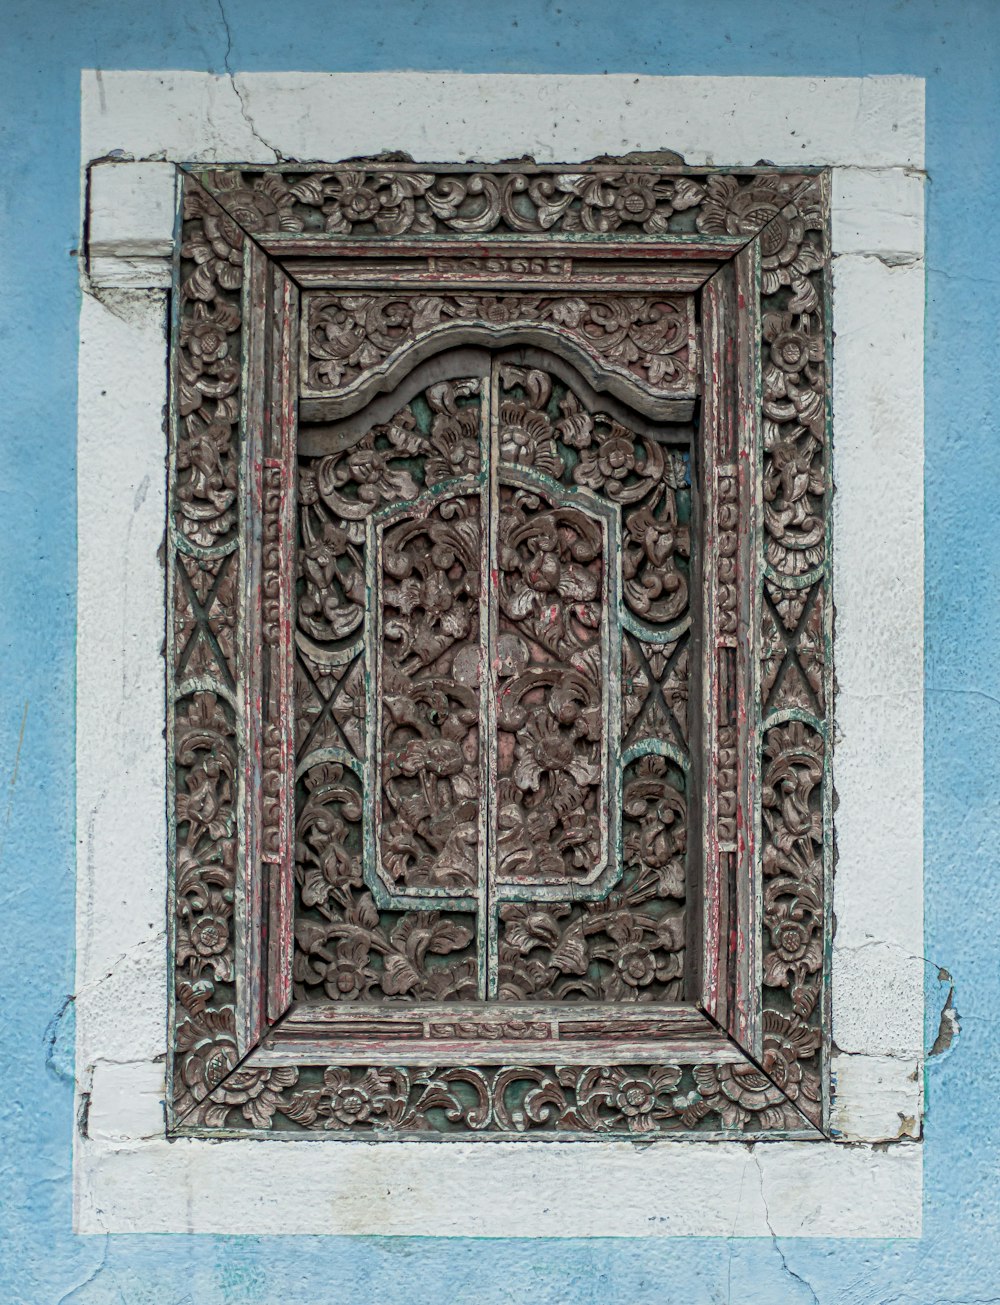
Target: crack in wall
{"x":785,"y":1266}
{"x":244,"y":111}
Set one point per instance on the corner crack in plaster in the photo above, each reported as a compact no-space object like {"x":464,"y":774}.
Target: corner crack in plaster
{"x":786,"y":1268}
{"x":244,"y":111}
{"x":158,"y":939}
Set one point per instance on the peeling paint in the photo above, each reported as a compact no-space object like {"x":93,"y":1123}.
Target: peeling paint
{"x":949,"y":1027}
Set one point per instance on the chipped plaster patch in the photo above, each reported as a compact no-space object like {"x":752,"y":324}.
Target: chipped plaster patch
{"x":127,"y":1178}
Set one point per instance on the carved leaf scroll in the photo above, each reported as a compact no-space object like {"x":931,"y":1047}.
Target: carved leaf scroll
{"x":383,"y":199}
{"x":649,"y":338}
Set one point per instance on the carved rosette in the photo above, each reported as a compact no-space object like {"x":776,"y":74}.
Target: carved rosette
{"x":352,"y":943}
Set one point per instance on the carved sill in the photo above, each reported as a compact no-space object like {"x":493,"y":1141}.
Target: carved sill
{"x":605,"y":388}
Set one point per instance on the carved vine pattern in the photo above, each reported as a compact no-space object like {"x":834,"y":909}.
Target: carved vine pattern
{"x":347,"y":949}
{"x":650,"y":338}
{"x":386,"y":199}
{"x":795,"y":767}
{"x":211,"y":1088}
{"x":207,"y":566}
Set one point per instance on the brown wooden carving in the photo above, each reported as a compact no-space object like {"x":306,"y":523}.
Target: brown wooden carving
{"x":500,"y":652}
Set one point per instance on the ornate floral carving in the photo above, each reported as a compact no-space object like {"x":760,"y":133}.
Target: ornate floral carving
{"x":549,"y":699}
{"x":551,"y":595}
{"x":429,"y":686}
{"x":388,"y":199}
{"x":793,"y":866}
{"x":746,"y":206}
{"x":346,"y":948}
{"x":628,"y":947}
{"x":651,"y":338}
{"x":795,"y":629}
{"x":606,"y":1100}
{"x":776,"y":1095}
{"x":205,"y":880}
{"x":212,"y":1084}
{"x":593,"y":450}
{"x":794,"y":393}
{"x":208,"y":370}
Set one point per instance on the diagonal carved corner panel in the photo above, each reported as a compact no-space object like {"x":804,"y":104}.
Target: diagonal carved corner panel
{"x":499,"y":652}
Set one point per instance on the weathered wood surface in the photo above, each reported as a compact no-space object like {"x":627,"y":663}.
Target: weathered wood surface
{"x":745,"y":749}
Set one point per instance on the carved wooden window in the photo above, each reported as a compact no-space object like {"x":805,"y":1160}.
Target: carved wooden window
{"x":499,"y":652}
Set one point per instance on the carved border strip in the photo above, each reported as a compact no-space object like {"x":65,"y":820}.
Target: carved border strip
{"x":211,"y":1089}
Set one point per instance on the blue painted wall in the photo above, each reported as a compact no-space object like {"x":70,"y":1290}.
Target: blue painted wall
{"x":954,"y":44}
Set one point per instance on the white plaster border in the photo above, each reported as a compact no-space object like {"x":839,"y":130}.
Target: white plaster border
{"x":127,"y":1178}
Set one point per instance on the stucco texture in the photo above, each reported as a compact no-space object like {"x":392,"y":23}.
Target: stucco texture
{"x":952,"y":45}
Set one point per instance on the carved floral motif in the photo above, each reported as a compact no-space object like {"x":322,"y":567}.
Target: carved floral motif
{"x":628,"y":947}
{"x":429,"y":686}
{"x":794,"y":624}
{"x":387,"y":199}
{"x":650,"y":338}
{"x":208,"y":370}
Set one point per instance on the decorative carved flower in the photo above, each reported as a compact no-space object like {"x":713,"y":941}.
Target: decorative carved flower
{"x":743,"y":1094}
{"x":616,"y":455}
{"x":793,"y":923}
{"x":210,"y":935}
{"x":267,"y":204}
{"x":636,"y":965}
{"x":212,"y":1086}
{"x":206,"y":334}
{"x":349,"y":976}
{"x":352,"y":202}
{"x":792,"y":345}
{"x":454,"y":445}
{"x":793,"y":375}
{"x":793,"y":933}
{"x":527,"y":440}
{"x":216,"y":246}
{"x":763,"y":207}
{"x":376,"y":1092}
{"x":542,"y":748}
{"x":641,"y":1098}
{"x":635,"y":197}
{"x":384,"y":199}
{"x":607,"y":466}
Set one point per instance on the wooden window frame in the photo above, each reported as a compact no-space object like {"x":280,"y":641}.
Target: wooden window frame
{"x":750,"y":1054}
